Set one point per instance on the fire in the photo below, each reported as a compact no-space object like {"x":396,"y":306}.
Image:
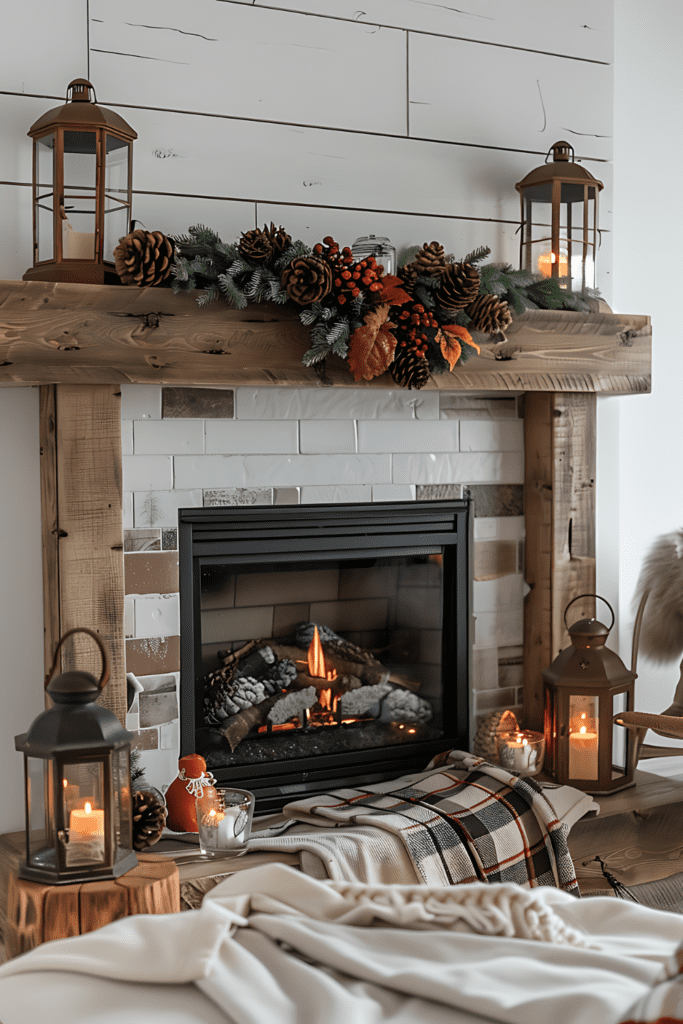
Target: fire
{"x":316,"y":660}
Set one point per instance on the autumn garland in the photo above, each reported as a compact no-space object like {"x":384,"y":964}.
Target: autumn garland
{"x":412,"y":324}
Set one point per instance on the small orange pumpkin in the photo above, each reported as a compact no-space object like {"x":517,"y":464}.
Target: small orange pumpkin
{"x":193,"y":780}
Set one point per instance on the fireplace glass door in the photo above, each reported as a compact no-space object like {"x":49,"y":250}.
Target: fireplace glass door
{"x":323,"y":639}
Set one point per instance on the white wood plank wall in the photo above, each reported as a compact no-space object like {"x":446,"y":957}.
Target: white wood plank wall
{"x":406,"y":118}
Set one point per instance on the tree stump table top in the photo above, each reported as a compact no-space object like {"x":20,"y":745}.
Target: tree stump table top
{"x":37,"y":913}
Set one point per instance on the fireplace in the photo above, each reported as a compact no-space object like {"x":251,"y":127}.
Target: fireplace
{"x":323,"y":645}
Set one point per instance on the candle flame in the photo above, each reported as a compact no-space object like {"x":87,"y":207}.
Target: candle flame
{"x":583,"y":714}
{"x":525,"y":742}
{"x":582,"y":729}
{"x":65,"y":783}
{"x":212,"y":813}
{"x":316,"y":659}
{"x":88,"y":808}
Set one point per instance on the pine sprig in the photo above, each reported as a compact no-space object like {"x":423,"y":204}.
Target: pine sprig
{"x":477,"y":255}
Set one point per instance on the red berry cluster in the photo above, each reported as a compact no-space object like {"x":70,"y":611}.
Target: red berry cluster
{"x":413,"y":322}
{"x":348,"y":277}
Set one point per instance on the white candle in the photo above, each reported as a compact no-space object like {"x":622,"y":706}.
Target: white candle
{"x":224,"y":830}
{"x":583,"y":754}
{"x":86,"y":836}
{"x":516,"y":754}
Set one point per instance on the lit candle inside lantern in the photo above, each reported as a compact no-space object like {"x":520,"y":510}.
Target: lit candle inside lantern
{"x":86,"y":836}
{"x":583,"y":754}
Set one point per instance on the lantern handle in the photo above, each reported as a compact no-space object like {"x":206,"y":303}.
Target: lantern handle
{"x":80,"y":81}
{"x":106,"y":668}
{"x":552,"y":150}
{"x":589,"y":595}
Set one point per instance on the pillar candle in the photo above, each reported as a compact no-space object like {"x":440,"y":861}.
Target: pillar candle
{"x":583,"y":754}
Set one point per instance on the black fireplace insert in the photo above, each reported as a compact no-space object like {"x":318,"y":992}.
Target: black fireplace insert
{"x":323,"y":645}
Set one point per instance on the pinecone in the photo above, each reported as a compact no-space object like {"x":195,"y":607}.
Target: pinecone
{"x":255,"y":246}
{"x":278,"y":238}
{"x":307,"y":280}
{"x":143,"y":257}
{"x":408,"y":274}
{"x":484,"y":744}
{"x":459,"y":286}
{"x":431,"y":259}
{"x":489,"y":314}
{"x":410,"y":370}
{"x":149,"y":818}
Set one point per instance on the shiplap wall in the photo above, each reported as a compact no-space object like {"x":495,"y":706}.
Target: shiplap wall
{"x":405,"y":118}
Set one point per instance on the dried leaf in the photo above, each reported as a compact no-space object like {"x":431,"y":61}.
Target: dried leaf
{"x":393,"y":291}
{"x":450,"y":345}
{"x":372,"y":346}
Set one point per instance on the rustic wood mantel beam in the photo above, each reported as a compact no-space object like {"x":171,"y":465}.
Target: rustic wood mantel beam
{"x":90,"y":334}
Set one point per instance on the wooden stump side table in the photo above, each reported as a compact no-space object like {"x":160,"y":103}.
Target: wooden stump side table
{"x":37,"y":913}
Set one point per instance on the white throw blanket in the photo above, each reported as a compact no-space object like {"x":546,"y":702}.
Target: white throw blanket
{"x":273,"y":946}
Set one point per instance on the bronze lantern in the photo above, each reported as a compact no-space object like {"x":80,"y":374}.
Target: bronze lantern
{"x":79,"y":815}
{"x":586,"y":686}
{"x":82,"y":189}
{"x":566,"y":247}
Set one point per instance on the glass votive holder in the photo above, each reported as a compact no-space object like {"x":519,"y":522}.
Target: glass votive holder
{"x":521,"y":752}
{"x":224,"y":820}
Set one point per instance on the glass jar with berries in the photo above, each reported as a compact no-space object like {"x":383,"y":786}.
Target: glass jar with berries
{"x":350,"y":277}
{"x":377,"y":246}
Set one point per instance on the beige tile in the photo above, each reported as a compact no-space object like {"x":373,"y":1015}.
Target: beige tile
{"x":198,"y":403}
{"x":343,"y":615}
{"x":287,"y":617}
{"x":154,"y":573}
{"x":153,"y":655}
{"x":236,"y":624}
{"x":494,"y":558}
{"x":378,"y":581}
{"x":157,"y":708}
{"x":145,"y":739}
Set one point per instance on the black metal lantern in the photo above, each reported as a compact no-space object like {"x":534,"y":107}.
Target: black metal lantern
{"x":586,"y":686}
{"x":82,"y":189}
{"x":566,"y":245}
{"x":77,"y":780}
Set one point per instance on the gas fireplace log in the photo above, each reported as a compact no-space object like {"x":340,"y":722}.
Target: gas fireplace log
{"x":398,"y":679}
{"x":368,"y":674}
{"x":239,"y":725}
{"x":338,"y":686}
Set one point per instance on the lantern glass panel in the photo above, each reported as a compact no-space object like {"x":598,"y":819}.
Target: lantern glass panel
{"x":584,"y":737}
{"x":39,"y":794}
{"x":79,"y":199}
{"x":45,"y":223}
{"x":116,"y":198}
{"x":86,"y":816}
{"x":620,"y":736}
{"x":550,"y":730}
{"x":123,"y":811}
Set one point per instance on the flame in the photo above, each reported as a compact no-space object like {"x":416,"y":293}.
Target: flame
{"x":88,"y":808}
{"x":316,"y":660}
{"x":582,"y":729}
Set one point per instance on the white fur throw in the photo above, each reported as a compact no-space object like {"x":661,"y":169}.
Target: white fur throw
{"x":661,"y":636}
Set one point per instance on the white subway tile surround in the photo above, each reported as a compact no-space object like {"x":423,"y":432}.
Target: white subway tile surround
{"x":291,"y":445}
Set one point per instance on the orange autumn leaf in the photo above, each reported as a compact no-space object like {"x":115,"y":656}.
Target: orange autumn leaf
{"x":393,"y":291}
{"x":451,"y":348}
{"x":372,"y":345}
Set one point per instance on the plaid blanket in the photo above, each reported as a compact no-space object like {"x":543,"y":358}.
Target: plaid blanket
{"x":461,"y":820}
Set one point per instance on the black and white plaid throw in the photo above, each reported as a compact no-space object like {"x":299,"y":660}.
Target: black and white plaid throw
{"x":461,"y":820}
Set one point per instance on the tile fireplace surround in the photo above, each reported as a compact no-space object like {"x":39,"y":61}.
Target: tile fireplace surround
{"x":188,"y":447}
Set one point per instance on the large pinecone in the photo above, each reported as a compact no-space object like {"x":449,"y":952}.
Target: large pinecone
{"x":409,"y":370}
{"x":489,"y":314}
{"x":307,"y":280}
{"x":149,"y":818}
{"x":143,"y":257}
{"x":459,"y":286}
{"x":278,"y":238}
{"x":408,"y":274}
{"x":431,"y":259}
{"x":255,"y":246}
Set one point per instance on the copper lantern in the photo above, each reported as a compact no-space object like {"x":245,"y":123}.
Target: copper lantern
{"x":584,"y":689}
{"x":559,"y":229}
{"x":79,"y":817}
{"x":82,"y":189}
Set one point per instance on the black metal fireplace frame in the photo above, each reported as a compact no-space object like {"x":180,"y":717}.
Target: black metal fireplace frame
{"x":272,"y":534}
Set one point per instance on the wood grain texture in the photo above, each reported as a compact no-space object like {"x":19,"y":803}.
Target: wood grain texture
{"x":86,"y":334}
{"x":582,"y":29}
{"x":50,"y":520}
{"x":91,"y":532}
{"x":559,"y":509}
{"x":37,"y":913}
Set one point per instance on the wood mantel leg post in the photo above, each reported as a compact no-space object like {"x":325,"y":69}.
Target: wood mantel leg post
{"x":559,"y":510}
{"x":81,"y":495}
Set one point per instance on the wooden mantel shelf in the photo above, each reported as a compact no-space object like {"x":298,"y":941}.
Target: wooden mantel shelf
{"x":91,"y":334}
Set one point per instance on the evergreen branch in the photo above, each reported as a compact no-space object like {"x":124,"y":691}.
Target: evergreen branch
{"x":209,"y":295}
{"x":315,"y":354}
{"x":408,"y":255}
{"x":231,"y":293}
{"x":477,"y":255}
